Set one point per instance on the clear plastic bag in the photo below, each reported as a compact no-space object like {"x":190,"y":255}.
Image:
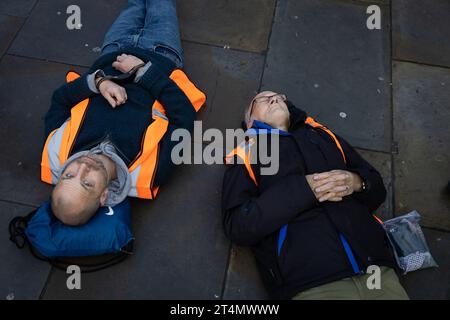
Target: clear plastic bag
{"x":410,"y":247}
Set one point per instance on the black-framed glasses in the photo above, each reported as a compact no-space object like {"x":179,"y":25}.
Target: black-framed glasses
{"x":266,"y":99}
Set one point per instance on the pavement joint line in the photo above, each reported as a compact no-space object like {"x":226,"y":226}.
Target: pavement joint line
{"x":392,"y":137}
{"x":420,"y":63}
{"x":268,"y":45}
{"x":19,"y":203}
{"x":362,"y":3}
{"x":222,"y":47}
{"x":373,"y":150}
{"x":436,"y":229}
{"x":25,"y":20}
{"x":47,"y":281}
{"x":227,"y":268}
{"x":47,"y":60}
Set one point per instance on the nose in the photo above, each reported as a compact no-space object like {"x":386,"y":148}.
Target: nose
{"x":83,"y":169}
{"x":273,"y":99}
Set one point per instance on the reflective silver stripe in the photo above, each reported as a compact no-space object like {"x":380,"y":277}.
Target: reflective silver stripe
{"x":134,"y":177}
{"x":158,"y":113}
{"x":53,"y":148}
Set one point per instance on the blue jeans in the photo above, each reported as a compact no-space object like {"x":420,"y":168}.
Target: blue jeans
{"x":149,"y":25}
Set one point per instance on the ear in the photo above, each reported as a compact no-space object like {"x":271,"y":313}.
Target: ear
{"x":103,"y":197}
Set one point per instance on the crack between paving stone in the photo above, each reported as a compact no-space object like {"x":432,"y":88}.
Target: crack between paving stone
{"x":268,"y":46}
{"x":421,"y":63}
{"x":19,"y":203}
{"x":227,"y":268}
{"x":47,"y":60}
{"x":25,"y":20}
{"x":362,"y":3}
{"x":222,"y":47}
{"x":47,"y":281}
{"x":393,"y":205}
{"x":225,"y":278}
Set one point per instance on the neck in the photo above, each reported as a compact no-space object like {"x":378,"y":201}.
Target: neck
{"x":110,"y":167}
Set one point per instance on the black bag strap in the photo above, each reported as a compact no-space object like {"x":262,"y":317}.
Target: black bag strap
{"x":17,"y":235}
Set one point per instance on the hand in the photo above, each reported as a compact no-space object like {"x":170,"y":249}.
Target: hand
{"x":334,"y":185}
{"x":126,"y":62}
{"x":115,"y":94}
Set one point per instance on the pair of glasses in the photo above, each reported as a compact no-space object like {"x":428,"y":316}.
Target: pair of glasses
{"x":266,"y":99}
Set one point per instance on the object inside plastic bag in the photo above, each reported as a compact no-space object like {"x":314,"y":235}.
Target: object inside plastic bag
{"x":410,"y":247}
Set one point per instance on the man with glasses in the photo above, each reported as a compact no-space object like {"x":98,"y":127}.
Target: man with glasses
{"x":311,"y":225}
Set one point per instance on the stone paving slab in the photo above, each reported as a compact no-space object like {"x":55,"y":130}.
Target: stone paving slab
{"x":238,"y":24}
{"x":422,"y":165}
{"x":19,"y":8}
{"x":421,"y":31}
{"x":9,"y":26}
{"x":243,"y":279}
{"x":432,"y":283}
{"x":180,"y":252}
{"x":45,"y":34}
{"x":21,"y":275}
{"x":26,"y":86}
{"x":324,"y":58}
{"x":229,"y":78}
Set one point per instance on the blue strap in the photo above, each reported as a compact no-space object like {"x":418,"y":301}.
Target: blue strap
{"x":350,"y":255}
{"x":282,"y":237}
{"x":258,"y":126}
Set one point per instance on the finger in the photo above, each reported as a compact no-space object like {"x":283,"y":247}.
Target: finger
{"x":327,"y":196}
{"x":333,"y":177}
{"x":339,"y":189}
{"x":335,"y":199}
{"x":110,"y":99}
{"x":116,"y":64}
{"x":119,"y":96}
{"x":329,"y":185}
{"x":320,"y":176}
{"x":125,"y":94}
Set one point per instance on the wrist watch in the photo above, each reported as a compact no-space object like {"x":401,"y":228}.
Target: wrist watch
{"x":100,"y":76}
{"x":363,"y":185}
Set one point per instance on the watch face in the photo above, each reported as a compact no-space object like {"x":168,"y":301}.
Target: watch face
{"x":99,"y":74}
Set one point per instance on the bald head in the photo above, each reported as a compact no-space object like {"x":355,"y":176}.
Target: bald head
{"x":81,"y":190}
{"x":73,"y":209}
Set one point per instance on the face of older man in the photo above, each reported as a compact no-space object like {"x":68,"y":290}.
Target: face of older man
{"x":269,"y":107}
{"x":81,"y":189}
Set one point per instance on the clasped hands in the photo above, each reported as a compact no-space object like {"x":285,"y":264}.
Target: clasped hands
{"x":114,"y":93}
{"x":334,"y":185}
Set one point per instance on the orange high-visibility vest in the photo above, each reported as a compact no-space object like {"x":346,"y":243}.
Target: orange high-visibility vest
{"x":60,"y":141}
{"x":243,"y":151}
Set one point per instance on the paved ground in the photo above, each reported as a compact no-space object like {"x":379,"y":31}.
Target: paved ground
{"x":387,"y":91}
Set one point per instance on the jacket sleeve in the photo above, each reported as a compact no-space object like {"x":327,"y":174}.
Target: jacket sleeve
{"x":375,"y":192}
{"x":63,"y":99}
{"x":179,"y":110}
{"x":250,"y":215}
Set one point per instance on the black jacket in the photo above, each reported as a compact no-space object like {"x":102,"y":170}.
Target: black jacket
{"x":312,"y":253}
{"x":125,"y":126}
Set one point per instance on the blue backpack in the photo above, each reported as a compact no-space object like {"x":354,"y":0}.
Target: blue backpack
{"x":107,"y":237}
